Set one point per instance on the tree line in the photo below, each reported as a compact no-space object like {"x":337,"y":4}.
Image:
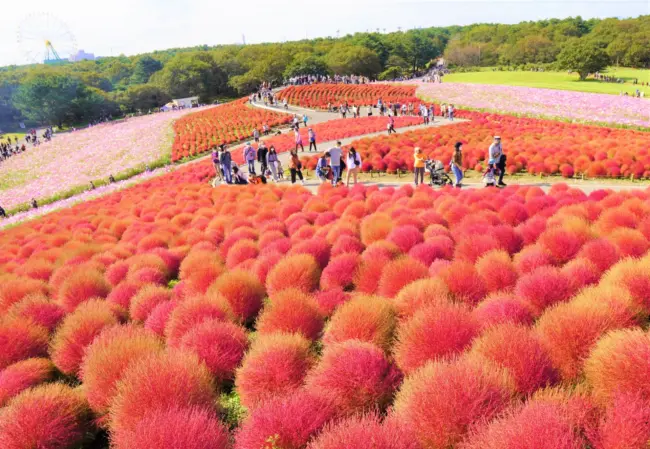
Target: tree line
{"x":88,"y":90}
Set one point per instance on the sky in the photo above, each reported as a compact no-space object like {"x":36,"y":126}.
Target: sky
{"x":137,"y":26}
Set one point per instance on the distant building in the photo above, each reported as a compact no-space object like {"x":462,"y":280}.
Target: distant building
{"x":82,"y":56}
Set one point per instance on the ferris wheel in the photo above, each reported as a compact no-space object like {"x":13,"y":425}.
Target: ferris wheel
{"x":44,"y":38}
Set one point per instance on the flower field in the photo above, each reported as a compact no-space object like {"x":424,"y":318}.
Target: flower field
{"x":74,"y":159}
{"x":232,"y":122}
{"x":578,"y":106}
{"x":172,"y":314}
{"x":532,"y":145}
{"x":319,"y":95}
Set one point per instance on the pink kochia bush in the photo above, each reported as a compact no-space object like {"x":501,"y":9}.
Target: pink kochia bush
{"x":23,"y":375}
{"x":21,"y":339}
{"x":291,"y":310}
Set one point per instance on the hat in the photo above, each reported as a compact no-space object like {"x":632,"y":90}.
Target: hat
{"x":497,"y":137}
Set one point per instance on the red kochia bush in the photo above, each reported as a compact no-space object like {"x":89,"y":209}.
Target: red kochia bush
{"x":625,"y":424}
{"x":442,"y":400}
{"x":291,"y":311}
{"x":435,"y":332}
{"x":318,"y":248}
{"x":157,"y":319}
{"x":299,"y":271}
{"x":340,"y":272}
{"x":364,"y":432}
{"x":497,"y":271}
{"x":405,"y":237}
{"x":47,"y":416}
{"x":561,"y":244}
{"x":40,"y":310}
{"x":122,"y":294}
{"x":329,"y":300}
{"x":463,"y":282}
{"x":146,"y":300}
{"x":187,"y":428}
{"x":160,"y":381}
{"x":365,"y":318}
{"x":275,"y":365}
{"x":13,"y":290}
{"x":500,"y":308}
{"x":287,"y":423}
{"x":108,"y":357}
{"x":544,"y":287}
{"x":82,"y":285}
{"x":533,"y":425}
{"x":220,"y":345}
{"x":356,"y":376}
{"x":517,"y":349}
{"x":619,"y":364}
{"x":193,"y":312}
{"x":398,"y":273}
{"x":420,"y":294}
{"x":21,"y":339}
{"x":243,"y":291}
{"x":23,"y":375}
{"x":601,"y":252}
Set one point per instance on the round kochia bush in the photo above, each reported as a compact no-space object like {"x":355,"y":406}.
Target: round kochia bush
{"x":23,"y":375}
{"x":291,"y":310}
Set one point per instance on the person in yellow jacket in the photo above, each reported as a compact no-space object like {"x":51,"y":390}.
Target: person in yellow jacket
{"x":419,"y":165}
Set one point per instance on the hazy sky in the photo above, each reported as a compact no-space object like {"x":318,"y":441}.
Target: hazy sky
{"x":112,"y":27}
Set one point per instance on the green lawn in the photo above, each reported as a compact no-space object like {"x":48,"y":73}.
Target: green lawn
{"x":557,"y":80}
{"x":12,"y":135}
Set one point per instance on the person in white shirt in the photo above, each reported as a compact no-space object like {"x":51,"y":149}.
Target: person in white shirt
{"x":353,"y":165}
{"x":335,"y":162}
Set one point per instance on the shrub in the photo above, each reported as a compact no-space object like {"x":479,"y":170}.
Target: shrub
{"x":23,"y":375}
{"x":561,"y":244}
{"x":544,"y":287}
{"x":318,"y":248}
{"x":116,"y":273}
{"x":123,"y":293}
{"x":399,"y":273}
{"x":442,"y":400}
{"x":159,"y":316}
{"x":193,"y":312}
{"x":40,"y":310}
{"x":21,"y":339}
{"x":368,"y":275}
{"x":187,"y":428}
{"x":264,"y":264}
{"x":13,"y":290}
{"x":220,"y":345}
{"x":375,"y":227}
{"x":619,"y":364}
{"x":581,"y":273}
{"x":381,"y":249}
{"x":517,"y":349}
{"x":241,"y":251}
{"x":471,"y":247}
{"x":347,"y":244}
{"x":530,"y":259}
{"x":146,"y":300}
{"x":275,"y":365}
{"x":365,"y":318}
{"x":630,"y":242}
{"x":463,"y":282}
{"x":160,"y":381}
{"x":243,"y":292}
{"x":420,"y":294}
{"x":82,"y":285}
{"x":108,"y":357}
{"x":625,"y":424}
{"x":631,"y":275}
{"x":298,"y":271}
{"x":328,"y":301}
{"x":438,"y":331}
{"x":364,"y":432}
{"x":290,"y":311}
{"x":200,"y":269}
{"x":340,"y":272}
{"x":500,"y":308}
{"x":356,"y":376}
{"x":601,"y":252}
{"x":497,"y":271}
{"x":287,"y":423}
{"x":405,"y":237}
{"x":47,"y":416}
{"x":437,"y":248}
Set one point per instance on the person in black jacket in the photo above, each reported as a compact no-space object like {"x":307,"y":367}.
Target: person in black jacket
{"x":262,"y":152}
{"x":226,"y":159}
{"x":3,"y":213}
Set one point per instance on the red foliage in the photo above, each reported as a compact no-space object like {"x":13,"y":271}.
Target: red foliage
{"x":159,"y":316}
{"x":398,"y":273}
{"x":340,"y":272}
{"x":315,"y":247}
{"x":40,"y":310}
{"x":291,"y":311}
{"x":497,"y":271}
{"x":601,"y":252}
{"x":420,"y":294}
{"x":544,"y":287}
{"x":299,"y":271}
{"x":21,"y":339}
{"x":438,"y":331}
{"x":531,"y":258}
{"x":329,"y":300}
{"x":243,"y":292}
{"x":122,"y":294}
{"x":193,"y":312}
{"x":146,"y":300}
{"x":13,"y":290}
{"x":405,"y":237}
{"x":499,"y":309}
{"x":630,"y":242}
{"x":464,"y":282}
{"x":625,"y":424}
{"x":561,"y":244}
{"x":82,"y":285}
{"x":23,"y":375}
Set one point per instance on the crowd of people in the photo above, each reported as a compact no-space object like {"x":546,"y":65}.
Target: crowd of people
{"x":11,"y":147}
{"x":303,"y":80}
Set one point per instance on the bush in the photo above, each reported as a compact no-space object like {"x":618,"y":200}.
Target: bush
{"x":625,"y":424}
{"x":442,"y":400}
{"x":463,"y":282}
{"x":159,"y":316}
{"x":290,"y":311}
{"x":328,"y":301}
{"x":47,"y":416}
{"x":275,"y":365}
{"x":220,"y":345}
{"x":498,"y":309}
{"x":193,"y":312}
{"x":436,"y":332}
{"x":40,"y":310}
{"x":561,"y":244}
{"x":82,"y":285}
{"x":340,"y":272}
{"x":601,"y":252}
{"x":398,"y":273}
{"x":405,"y":237}
{"x":108,"y":357}
{"x":187,"y":428}
{"x":13,"y":290}
{"x":631,"y":275}
{"x":356,"y":376}
{"x":365,"y":318}
{"x":123,"y":293}
{"x":23,"y":375}
{"x":497,"y":271}
{"x":420,"y":294}
{"x":146,"y":300}
{"x":243,"y":291}
{"x":619,"y":364}
{"x":544,"y":287}
{"x":21,"y":339}
{"x":299,"y":271}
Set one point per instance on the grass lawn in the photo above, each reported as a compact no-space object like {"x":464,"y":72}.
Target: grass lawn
{"x":557,"y":80}
{"x":12,"y":135}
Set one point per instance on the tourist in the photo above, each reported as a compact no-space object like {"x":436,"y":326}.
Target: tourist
{"x":295,"y":122}
{"x":226,"y":160}
{"x":457,"y":163}
{"x":443,"y":110}
{"x":305,"y":119}
{"x":262,"y":153}
{"x":353,"y":164}
{"x":451,"y":111}
{"x":295,"y":167}
{"x":272,"y":162}
{"x":298,"y":139}
{"x":256,"y":135}
{"x":34,"y":203}
{"x":335,"y":162}
{"x":3,"y":213}
{"x":266,"y":129}
{"x":418,"y":165}
{"x":216,"y":163}
{"x":239,"y":177}
{"x":391,"y":125}
{"x":496,"y":158}
{"x":285,"y":104}
{"x":249,"y":157}
{"x":323,"y":168}
{"x":312,"y":139}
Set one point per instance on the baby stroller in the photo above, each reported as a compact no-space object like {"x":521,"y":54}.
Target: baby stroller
{"x":438,"y":176}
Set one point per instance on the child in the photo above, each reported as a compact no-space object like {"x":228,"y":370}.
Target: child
{"x":280,"y":170}
{"x":489,"y":178}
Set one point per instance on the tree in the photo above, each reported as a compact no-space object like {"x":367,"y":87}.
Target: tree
{"x":192,"y":74}
{"x":390,"y":74}
{"x":45,"y":96}
{"x":306,"y":64}
{"x":353,"y":60}
{"x":143,"y":68}
{"x":143,"y":98}
{"x":583,"y":56}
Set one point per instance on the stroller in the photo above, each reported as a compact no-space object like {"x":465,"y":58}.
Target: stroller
{"x":438,"y":176}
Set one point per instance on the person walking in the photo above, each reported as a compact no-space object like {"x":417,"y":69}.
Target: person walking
{"x":272,"y":162}
{"x":256,"y":135}
{"x":457,"y":163}
{"x":418,"y":165}
{"x":249,"y":157}
{"x":298,"y":139}
{"x":226,"y":160}
{"x":262,"y":153}
{"x":451,"y":111}
{"x":353,"y":165}
{"x":216,"y":163}
{"x":312,"y":139}
{"x":497,"y":159}
{"x":305,"y":119}
{"x":335,"y":162}
{"x":323,"y":168}
{"x":295,"y":167}
{"x":391,"y":125}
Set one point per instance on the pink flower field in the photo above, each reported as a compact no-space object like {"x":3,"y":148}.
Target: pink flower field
{"x":579,"y":106}
{"x":76,"y":158}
